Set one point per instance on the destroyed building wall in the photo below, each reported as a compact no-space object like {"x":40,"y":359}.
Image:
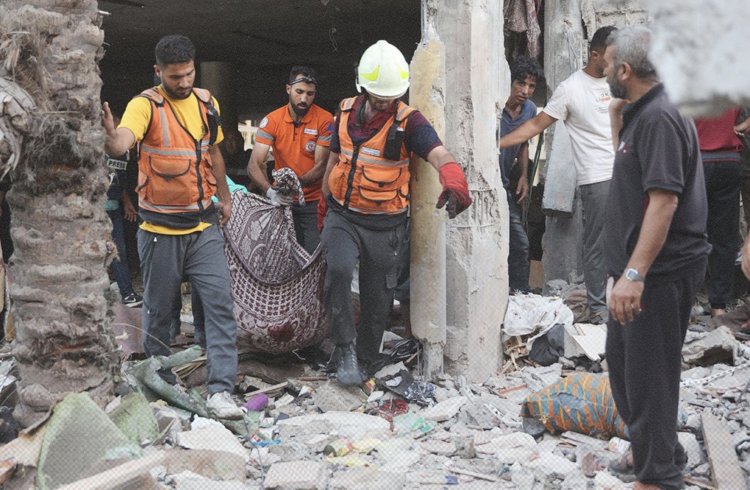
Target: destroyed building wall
{"x":569,"y":24}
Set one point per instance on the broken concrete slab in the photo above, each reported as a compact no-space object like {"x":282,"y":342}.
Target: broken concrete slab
{"x":187,"y":480}
{"x":551,"y":465}
{"x":351,"y":425}
{"x":585,"y":339}
{"x":135,"y":418}
{"x":213,"y":464}
{"x":215,"y":438}
{"x":296,"y":475}
{"x":716,"y":346}
{"x":126,"y":475}
{"x":366,"y":479}
{"x":332,"y":397}
{"x":445,"y":410}
{"x":438,"y":447}
{"x":516,"y":447}
{"x":725,"y":467}
{"x":692,"y":447}
{"x":77,"y":422}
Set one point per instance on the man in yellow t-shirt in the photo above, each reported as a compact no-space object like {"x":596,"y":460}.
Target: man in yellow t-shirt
{"x":180,"y":169}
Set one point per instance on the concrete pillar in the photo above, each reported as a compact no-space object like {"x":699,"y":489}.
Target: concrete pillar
{"x":218,"y":77}
{"x":477,"y":85}
{"x":427,"y":275}
{"x":699,"y":49}
{"x":563,"y":54}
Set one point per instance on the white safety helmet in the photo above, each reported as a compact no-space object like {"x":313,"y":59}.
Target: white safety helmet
{"x":383,"y":71}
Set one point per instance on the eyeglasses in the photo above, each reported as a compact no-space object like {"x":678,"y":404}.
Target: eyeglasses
{"x":304,"y":79}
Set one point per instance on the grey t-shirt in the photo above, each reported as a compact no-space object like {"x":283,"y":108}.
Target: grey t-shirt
{"x":658,"y":150}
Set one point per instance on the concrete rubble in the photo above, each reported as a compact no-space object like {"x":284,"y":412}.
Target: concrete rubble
{"x":311,"y":433}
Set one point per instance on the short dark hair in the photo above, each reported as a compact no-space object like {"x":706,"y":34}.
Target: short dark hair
{"x":599,"y":41}
{"x":525,"y":66}
{"x":174,"y":48}
{"x":301,"y":73}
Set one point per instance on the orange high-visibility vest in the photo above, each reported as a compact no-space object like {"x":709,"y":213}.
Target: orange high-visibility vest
{"x":364,"y":180}
{"x":175,"y":175}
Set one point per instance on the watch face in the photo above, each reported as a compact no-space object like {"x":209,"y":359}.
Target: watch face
{"x":633,"y":275}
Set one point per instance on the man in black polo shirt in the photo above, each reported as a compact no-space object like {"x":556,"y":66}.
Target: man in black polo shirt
{"x":656,"y":251}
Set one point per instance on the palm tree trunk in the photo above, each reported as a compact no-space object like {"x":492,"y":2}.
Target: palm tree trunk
{"x":60,"y":229}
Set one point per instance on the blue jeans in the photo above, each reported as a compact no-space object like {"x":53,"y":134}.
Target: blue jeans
{"x":120,"y":265}
{"x":518,"y":246}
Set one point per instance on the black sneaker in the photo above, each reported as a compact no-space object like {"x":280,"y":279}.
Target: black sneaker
{"x":132,"y":300}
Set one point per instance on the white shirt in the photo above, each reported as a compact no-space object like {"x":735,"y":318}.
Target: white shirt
{"x":582,"y":103}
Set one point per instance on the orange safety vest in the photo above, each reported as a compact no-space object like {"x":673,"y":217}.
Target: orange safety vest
{"x":366,"y":179}
{"x":175,"y":175}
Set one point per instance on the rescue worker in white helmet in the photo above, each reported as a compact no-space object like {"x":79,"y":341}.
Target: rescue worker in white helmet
{"x":366,"y":189}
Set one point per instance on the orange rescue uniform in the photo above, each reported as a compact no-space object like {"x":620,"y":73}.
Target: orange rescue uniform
{"x":366,"y":179}
{"x":294,"y":144}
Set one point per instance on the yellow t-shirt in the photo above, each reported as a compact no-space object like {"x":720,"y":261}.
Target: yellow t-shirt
{"x":137,"y":117}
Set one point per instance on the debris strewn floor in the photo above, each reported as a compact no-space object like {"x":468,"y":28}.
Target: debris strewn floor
{"x":302,"y":430}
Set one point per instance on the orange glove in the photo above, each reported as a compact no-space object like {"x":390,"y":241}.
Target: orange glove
{"x":322,"y":211}
{"x":455,"y":189}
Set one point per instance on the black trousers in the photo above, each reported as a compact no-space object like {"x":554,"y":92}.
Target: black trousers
{"x":723,"y":193}
{"x":377,"y":253}
{"x":644,"y":359}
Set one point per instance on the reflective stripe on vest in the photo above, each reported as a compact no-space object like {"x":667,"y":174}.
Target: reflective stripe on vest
{"x":363,"y":180}
{"x":175,"y":173}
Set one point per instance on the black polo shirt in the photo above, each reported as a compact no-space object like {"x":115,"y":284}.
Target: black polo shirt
{"x":658,"y":150}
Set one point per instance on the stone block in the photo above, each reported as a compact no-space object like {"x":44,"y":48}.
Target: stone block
{"x":214,"y":438}
{"x":296,"y":475}
{"x":367,"y":479}
{"x":332,"y":397}
{"x":717,"y":346}
{"x":351,"y":425}
{"x":445,"y":410}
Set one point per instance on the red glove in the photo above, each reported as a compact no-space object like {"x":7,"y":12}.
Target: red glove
{"x":455,"y":189}
{"x":322,"y":211}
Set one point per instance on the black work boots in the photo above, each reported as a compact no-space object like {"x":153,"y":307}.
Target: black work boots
{"x":347,"y":371}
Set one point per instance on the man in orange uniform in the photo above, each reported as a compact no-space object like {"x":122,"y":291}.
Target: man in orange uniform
{"x":300,"y":134}
{"x":180,"y":169}
{"x":367,"y":190}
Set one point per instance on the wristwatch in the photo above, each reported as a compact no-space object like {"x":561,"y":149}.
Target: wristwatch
{"x":633,"y":275}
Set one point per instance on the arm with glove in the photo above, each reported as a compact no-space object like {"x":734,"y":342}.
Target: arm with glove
{"x":455,"y":196}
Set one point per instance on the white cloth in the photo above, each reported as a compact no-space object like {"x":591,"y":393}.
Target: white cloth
{"x":582,"y":103}
{"x":533,"y":314}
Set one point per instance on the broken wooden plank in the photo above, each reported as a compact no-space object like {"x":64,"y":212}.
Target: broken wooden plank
{"x":270,"y":389}
{"x":725,"y":467}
